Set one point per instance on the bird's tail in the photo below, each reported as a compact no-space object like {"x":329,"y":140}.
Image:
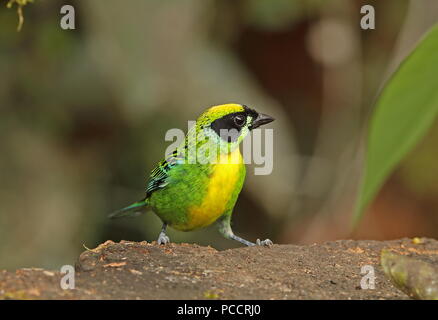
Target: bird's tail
{"x":132,"y":210}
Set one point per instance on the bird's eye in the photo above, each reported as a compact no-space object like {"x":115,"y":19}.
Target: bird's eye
{"x":239,"y":120}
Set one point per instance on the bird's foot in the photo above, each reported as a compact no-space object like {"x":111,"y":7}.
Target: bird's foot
{"x":266,"y":242}
{"x":163,"y":238}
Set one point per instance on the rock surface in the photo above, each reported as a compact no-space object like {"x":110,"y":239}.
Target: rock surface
{"x":141,"y":270}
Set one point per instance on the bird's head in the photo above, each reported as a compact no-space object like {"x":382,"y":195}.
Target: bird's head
{"x":229,"y":124}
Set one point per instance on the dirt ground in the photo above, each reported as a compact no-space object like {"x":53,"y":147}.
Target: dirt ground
{"x":141,"y":270}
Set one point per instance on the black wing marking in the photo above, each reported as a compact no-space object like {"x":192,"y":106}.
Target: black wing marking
{"x":159,"y":175}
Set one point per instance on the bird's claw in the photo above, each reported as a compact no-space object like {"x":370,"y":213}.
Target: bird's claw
{"x":266,"y":242}
{"x":163,"y":238}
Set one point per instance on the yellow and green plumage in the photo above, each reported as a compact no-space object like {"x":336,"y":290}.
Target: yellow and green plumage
{"x":200,"y":181}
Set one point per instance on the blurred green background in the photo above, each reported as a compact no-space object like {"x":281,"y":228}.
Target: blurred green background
{"x":83,"y":114}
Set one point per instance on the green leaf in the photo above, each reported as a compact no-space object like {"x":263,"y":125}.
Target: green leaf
{"x":404,"y":112}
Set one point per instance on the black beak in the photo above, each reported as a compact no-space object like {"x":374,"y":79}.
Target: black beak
{"x":261,"y":120}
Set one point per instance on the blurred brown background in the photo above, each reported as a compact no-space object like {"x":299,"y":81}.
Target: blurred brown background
{"x":83,"y":115}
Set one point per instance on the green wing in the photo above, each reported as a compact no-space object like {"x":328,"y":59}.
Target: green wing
{"x":159,"y":177}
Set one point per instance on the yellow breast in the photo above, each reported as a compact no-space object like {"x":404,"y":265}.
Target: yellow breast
{"x":221,"y":186}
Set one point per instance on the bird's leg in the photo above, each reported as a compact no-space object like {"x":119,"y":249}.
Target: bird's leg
{"x":227,"y":232}
{"x":163,"y":238}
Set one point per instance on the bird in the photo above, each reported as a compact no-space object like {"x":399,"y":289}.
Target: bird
{"x":198,"y":184}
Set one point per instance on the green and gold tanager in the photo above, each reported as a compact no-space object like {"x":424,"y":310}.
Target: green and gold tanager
{"x":200,"y":181}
